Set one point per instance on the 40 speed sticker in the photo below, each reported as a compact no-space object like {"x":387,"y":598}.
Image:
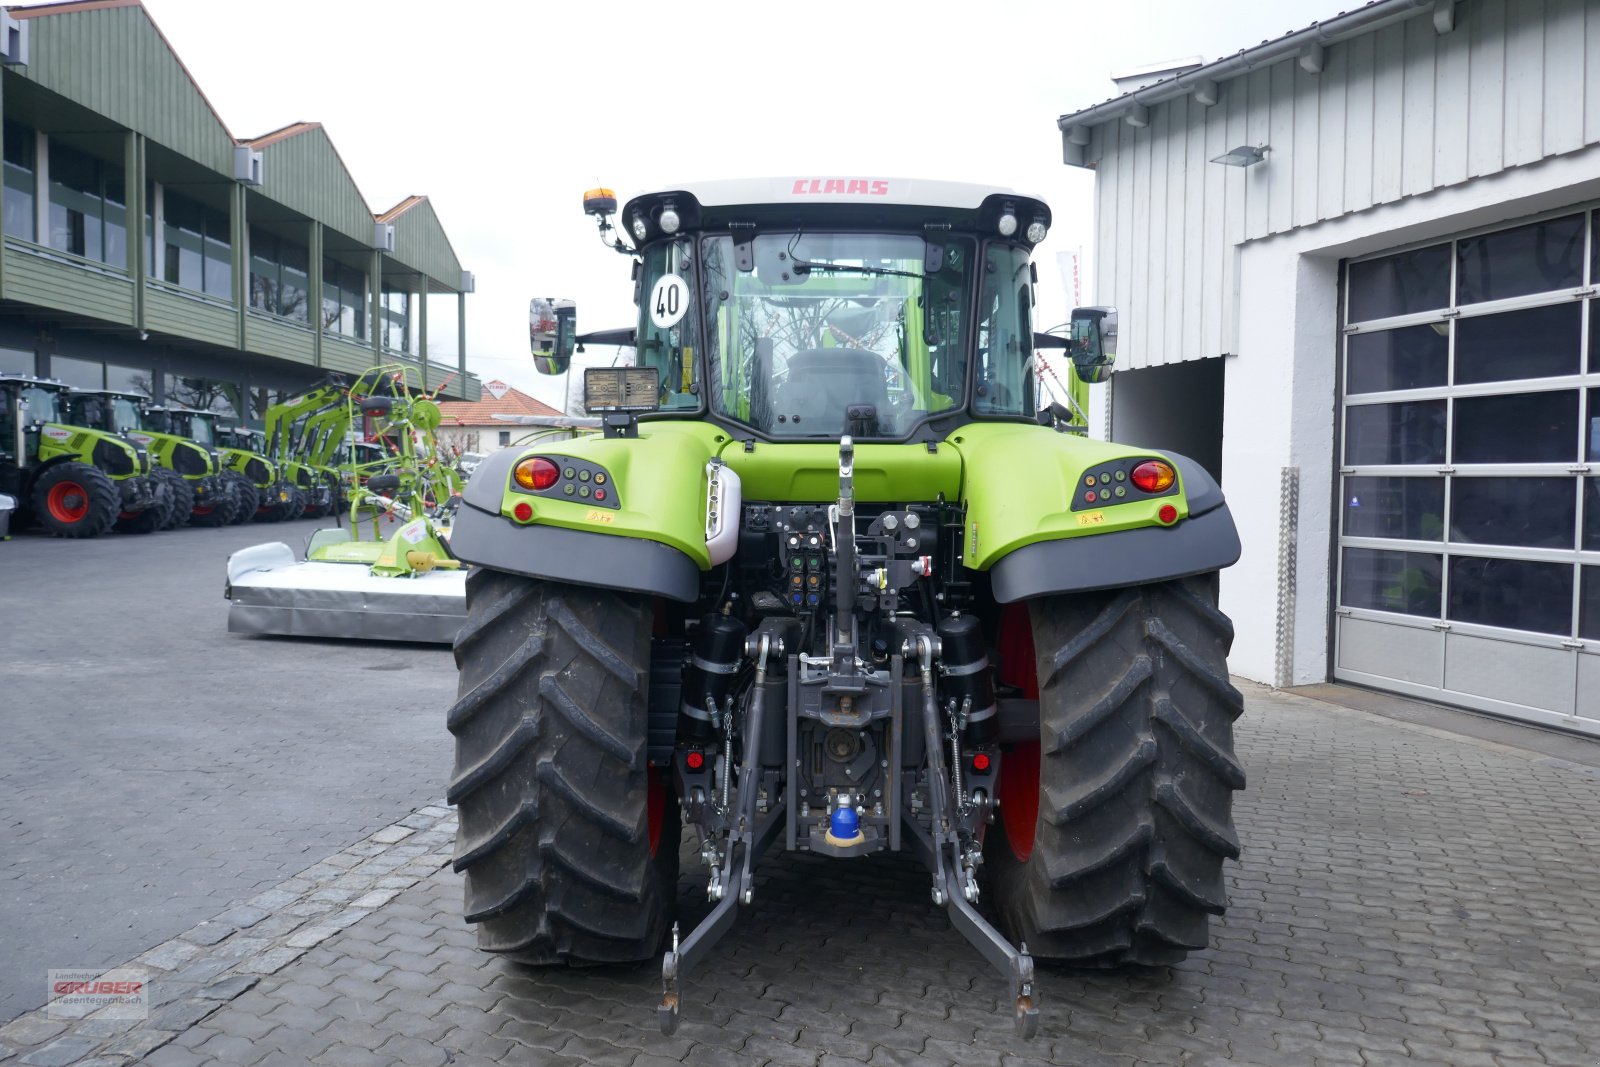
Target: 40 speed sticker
{"x":669,"y":301}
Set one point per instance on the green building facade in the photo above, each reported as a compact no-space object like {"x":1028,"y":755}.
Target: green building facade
{"x":146,"y":248}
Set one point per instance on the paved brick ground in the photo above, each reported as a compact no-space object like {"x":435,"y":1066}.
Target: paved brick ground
{"x":1405,"y":897}
{"x":155,"y":767}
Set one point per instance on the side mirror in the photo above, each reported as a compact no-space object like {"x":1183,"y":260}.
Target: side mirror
{"x":1094,"y":342}
{"x":552,"y":333}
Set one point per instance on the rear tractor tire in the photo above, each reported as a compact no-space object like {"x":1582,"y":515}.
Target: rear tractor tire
{"x":76,"y":500}
{"x":220,"y":507}
{"x":180,"y":498}
{"x":1113,"y":853}
{"x":568,"y":841}
{"x":151,"y":518}
{"x":249,"y":498}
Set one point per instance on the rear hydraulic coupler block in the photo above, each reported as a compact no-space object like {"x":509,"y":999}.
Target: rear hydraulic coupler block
{"x":709,"y":676}
{"x":964,"y":675}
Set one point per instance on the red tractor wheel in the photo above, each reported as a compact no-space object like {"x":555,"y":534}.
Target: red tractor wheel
{"x":75,"y":500}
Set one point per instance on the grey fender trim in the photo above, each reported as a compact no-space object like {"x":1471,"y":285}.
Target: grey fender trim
{"x":1199,"y":488}
{"x":488,"y":484}
{"x":629,"y":564}
{"x":1128,"y":557}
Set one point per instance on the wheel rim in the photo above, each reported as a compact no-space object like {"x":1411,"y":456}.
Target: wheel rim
{"x":656,"y":803}
{"x":1019,"y":764}
{"x":68,"y":502}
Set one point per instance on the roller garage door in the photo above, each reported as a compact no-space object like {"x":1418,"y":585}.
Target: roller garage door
{"x":1468,"y":562}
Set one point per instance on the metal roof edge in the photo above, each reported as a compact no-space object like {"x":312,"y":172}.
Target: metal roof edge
{"x":1341,"y":27}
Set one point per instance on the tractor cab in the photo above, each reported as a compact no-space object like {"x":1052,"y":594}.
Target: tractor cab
{"x":26,"y":405}
{"x":835,"y":307}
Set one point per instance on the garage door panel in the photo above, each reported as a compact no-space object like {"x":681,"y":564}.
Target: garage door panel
{"x":1515,"y":673}
{"x":1469,"y":541}
{"x":1589,"y":686}
{"x":1404,"y":653}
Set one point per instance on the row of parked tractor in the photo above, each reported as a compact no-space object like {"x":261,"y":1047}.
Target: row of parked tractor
{"x":84,"y":462}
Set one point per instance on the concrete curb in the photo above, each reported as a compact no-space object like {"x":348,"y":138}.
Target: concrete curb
{"x":200,"y":970}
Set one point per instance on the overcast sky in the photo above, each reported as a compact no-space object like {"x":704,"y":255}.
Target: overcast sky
{"x":503,"y":113}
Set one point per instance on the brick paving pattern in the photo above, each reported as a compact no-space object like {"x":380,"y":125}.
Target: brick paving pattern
{"x":155,"y":767}
{"x":1405,"y":897}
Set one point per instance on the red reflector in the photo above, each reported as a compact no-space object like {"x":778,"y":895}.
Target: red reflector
{"x":523,"y":511}
{"x":980,"y":762}
{"x":1153,"y":476}
{"x":695,"y":761}
{"x":537,"y":473}
{"x":1168,"y":514}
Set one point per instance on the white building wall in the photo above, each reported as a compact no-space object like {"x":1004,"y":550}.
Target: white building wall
{"x":1281,"y":398}
{"x":1395,"y":113}
{"x":1405,"y":135}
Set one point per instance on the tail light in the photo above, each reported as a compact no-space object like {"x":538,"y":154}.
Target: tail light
{"x":1153,"y":476}
{"x":537,"y":473}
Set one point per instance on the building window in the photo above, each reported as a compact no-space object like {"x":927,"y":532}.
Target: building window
{"x":344,"y":299}
{"x":279,"y":280}
{"x":78,"y":373}
{"x":505,"y":438}
{"x":199,"y":254}
{"x":130,"y":379}
{"x":88,"y":212}
{"x":396,"y":319}
{"x":19,"y":217}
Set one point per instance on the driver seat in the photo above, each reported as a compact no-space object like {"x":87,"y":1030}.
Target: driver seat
{"x":822,"y":384}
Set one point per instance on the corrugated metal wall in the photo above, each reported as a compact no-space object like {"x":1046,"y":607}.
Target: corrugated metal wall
{"x":1394,"y":113}
{"x":305,"y":173}
{"x":420,"y":243}
{"x":114,"y":62}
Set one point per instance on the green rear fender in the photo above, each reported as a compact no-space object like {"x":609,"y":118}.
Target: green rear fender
{"x":1022,"y":528}
{"x":657,"y":486}
{"x":1019,"y":486}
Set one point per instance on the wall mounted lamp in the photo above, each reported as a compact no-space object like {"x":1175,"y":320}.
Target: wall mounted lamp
{"x":1244,"y":156}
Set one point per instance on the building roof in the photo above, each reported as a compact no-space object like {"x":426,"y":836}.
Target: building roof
{"x":79,"y":7}
{"x":483,"y":412}
{"x":401,"y":208}
{"x":1306,"y":44}
{"x":282,"y":133}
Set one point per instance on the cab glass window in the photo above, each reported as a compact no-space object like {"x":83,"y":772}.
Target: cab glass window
{"x":1005,"y":335}
{"x":830,"y":333}
{"x":669,"y":323}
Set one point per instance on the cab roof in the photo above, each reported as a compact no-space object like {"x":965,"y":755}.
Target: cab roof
{"x":845,"y":189}
{"x":849,"y":202}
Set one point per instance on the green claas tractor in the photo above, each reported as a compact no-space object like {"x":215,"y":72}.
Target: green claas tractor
{"x":77,"y":479}
{"x":277,"y":499}
{"x":190,"y":470}
{"x":831,"y":577}
{"x":249,"y":475}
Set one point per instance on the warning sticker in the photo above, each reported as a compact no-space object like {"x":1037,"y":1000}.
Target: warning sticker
{"x":414,"y":531}
{"x":1091,"y":518}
